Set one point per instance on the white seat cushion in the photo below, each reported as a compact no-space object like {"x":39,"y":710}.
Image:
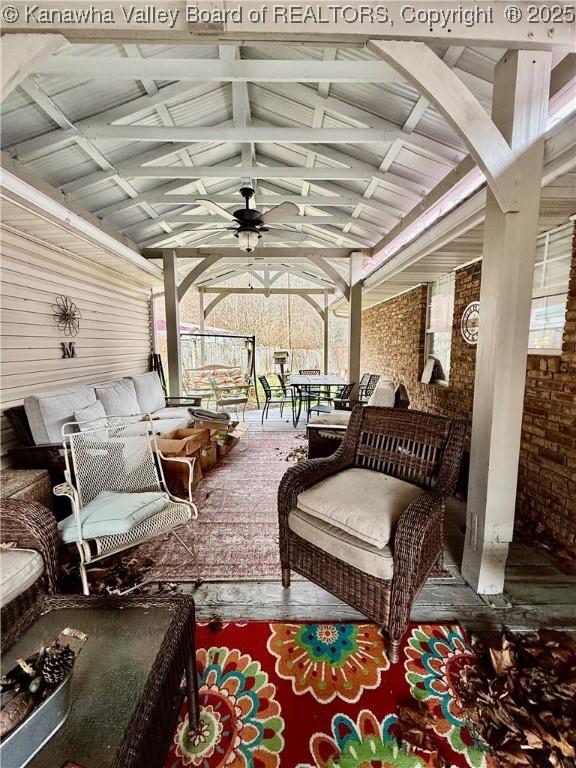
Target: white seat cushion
{"x":19,"y":569}
{"x":328,"y":538}
{"x":334,"y":418}
{"x":361,"y":502}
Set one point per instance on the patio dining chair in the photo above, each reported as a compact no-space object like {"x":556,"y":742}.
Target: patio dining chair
{"x":274,"y":396}
{"x":116,"y":486}
{"x":366,"y":523}
{"x":342,"y":396}
{"x":368,"y":389}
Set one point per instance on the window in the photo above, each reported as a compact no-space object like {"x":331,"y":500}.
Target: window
{"x":551,"y":276}
{"x":439,"y":326}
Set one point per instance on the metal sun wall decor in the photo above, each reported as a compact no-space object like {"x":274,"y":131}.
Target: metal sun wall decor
{"x":66,"y":315}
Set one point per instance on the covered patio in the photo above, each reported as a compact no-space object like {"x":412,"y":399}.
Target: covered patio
{"x":417,"y":181}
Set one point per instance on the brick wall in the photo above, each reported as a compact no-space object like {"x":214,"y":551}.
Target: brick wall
{"x":393,"y":337}
{"x":547,"y":475}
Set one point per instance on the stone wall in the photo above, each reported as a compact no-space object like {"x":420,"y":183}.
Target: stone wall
{"x":393,"y":337}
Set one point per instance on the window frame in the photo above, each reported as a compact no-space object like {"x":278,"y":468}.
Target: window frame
{"x":541,"y":292}
{"x":449,"y":278}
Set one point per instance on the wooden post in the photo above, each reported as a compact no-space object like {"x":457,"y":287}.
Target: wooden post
{"x":202,"y":327}
{"x":520,"y":110}
{"x":325,"y":318}
{"x":355,"y":326}
{"x":170,"y":263}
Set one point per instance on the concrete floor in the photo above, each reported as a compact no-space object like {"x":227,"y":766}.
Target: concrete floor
{"x":536,"y":592}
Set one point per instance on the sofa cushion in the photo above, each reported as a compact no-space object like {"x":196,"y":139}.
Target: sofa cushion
{"x":178,"y":412}
{"x":384,"y":394}
{"x":364,"y":503}
{"x":47,"y":412}
{"x":156,"y":426}
{"x":338,"y":543}
{"x":118,"y":398}
{"x":112,"y":513}
{"x":149,"y":392}
{"x":19,"y":569}
{"x":93,"y":416}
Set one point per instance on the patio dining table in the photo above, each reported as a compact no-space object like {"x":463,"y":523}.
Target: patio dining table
{"x":302,"y":385}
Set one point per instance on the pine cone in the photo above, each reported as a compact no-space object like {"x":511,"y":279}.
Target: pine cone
{"x":57,"y":664}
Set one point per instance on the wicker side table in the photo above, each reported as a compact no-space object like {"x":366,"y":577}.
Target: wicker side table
{"x":27,"y":484}
{"x":126,"y":681}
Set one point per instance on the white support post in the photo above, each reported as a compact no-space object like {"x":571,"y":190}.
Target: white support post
{"x":172,"y":305}
{"x":21,"y":54}
{"x":326,"y":322}
{"x":355,"y":327}
{"x":520,"y":110}
{"x":202,"y":327}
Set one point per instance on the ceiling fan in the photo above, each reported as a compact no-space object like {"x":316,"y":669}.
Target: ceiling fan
{"x":251,"y":223}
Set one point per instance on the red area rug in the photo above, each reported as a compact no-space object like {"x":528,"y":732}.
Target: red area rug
{"x":325,"y":696}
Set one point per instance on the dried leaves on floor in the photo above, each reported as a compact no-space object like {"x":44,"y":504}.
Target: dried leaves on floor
{"x":521,"y":699}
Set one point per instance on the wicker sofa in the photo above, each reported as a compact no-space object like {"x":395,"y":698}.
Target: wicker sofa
{"x":30,"y":569}
{"x":394,"y":468}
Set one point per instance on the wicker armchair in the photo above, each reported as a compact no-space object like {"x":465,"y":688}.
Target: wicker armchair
{"x":419,"y":448}
{"x":31,"y":526}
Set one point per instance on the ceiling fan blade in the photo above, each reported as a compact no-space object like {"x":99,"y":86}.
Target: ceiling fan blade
{"x":282,"y":211}
{"x":217,"y":209}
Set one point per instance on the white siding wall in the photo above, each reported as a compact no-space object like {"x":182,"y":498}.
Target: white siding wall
{"x":115,"y":330}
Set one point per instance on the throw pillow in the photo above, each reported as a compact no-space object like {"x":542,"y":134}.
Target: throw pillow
{"x":91,"y":417}
{"x":384,"y":395}
{"x":119,"y":398}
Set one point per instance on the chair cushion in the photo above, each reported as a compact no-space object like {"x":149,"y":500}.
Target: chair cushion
{"x":338,"y":543}
{"x":384,"y":394}
{"x":149,"y":392}
{"x":118,"y":398}
{"x":19,"y":569}
{"x":364,"y":503}
{"x":111,"y":513}
{"x":47,"y":412}
{"x":334,"y":418}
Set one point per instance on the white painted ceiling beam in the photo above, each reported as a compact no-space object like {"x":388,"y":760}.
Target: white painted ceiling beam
{"x":264,"y":201}
{"x":322,"y":31}
{"x":252,"y":134}
{"x":215,"y":71}
{"x":241,"y":171}
{"x":268,"y":252}
{"x":134,"y":230}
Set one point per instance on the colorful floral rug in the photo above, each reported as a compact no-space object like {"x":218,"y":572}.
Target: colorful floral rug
{"x":325,"y":696}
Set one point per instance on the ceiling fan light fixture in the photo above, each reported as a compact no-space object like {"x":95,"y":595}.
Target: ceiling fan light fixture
{"x":248,"y":239}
